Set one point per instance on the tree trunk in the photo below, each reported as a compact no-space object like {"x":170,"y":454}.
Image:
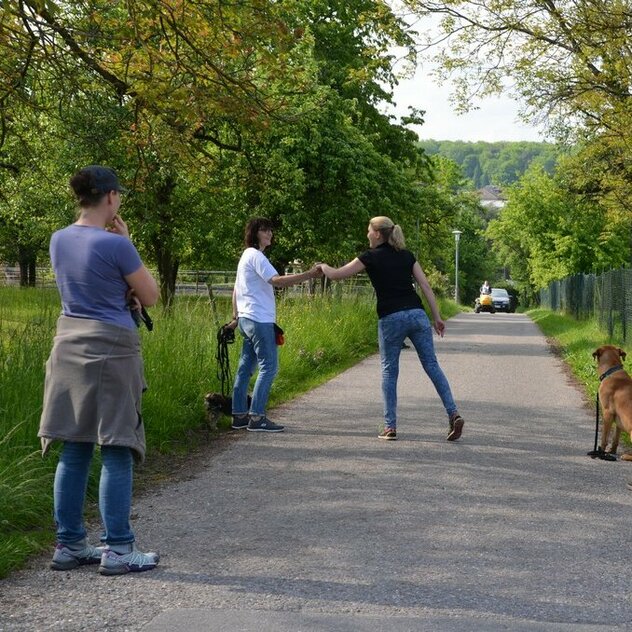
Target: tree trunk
{"x":168,"y":266}
{"x":167,"y":261}
{"x":27,"y":260}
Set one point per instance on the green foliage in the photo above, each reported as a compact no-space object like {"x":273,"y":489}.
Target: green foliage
{"x":545,"y":232}
{"x":500,"y":163}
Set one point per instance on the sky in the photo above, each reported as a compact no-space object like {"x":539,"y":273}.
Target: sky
{"x":495,"y":120}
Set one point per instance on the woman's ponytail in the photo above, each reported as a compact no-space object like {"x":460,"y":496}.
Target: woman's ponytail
{"x":391,"y":233}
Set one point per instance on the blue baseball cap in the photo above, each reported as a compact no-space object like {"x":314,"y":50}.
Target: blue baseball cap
{"x":103,"y":179}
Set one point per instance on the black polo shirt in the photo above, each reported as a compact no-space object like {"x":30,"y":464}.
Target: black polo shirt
{"x":391,"y":274}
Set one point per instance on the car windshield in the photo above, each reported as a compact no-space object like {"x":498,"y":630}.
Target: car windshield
{"x":499,"y":293}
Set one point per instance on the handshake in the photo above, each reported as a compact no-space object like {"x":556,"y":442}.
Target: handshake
{"x":319,"y":270}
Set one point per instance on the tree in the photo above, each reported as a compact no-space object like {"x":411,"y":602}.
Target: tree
{"x":546,"y":233}
{"x":178,"y":84}
{"x":569,"y":62}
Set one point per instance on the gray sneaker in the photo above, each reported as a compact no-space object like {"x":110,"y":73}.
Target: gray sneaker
{"x":263,"y":424}
{"x":113,"y":563}
{"x":67,"y":557}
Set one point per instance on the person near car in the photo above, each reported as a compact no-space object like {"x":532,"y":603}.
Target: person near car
{"x":94,"y":376}
{"x":254,"y":312}
{"x":485,"y":289}
{"x":391,"y":269}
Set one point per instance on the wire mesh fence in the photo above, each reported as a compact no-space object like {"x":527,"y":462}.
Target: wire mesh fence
{"x":214,"y":282}
{"x":606,"y":297}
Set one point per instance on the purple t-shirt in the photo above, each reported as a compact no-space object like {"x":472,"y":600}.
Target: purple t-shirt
{"x":90,"y":265}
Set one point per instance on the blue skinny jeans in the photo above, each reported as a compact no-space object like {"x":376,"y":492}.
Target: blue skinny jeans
{"x":115,"y":492}
{"x":392,"y":331}
{"x":259,"y":349}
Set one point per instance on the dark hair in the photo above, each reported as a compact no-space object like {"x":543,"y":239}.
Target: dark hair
{"x":92,"y":183}
{"x":251,"y":238}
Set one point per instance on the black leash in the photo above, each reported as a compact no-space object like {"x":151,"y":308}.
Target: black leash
{"x":141,"y":317}
{"x":597,"y":452}
{"x":225,"y":337}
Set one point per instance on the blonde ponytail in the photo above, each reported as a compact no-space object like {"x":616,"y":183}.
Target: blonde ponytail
{"x":391,"y":233}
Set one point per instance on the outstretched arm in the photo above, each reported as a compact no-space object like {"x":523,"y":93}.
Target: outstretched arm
{"x":420,"y":277}
{"x":351,"y":268}
{"x":292,"y":279}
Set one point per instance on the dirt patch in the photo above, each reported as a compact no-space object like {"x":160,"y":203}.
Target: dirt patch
{"x":185,"y":463}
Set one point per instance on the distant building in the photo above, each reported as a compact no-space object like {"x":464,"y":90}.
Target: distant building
{"x":492,"y":197}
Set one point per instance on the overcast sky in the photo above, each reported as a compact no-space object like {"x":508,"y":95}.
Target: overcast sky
{"x":495,"y":120}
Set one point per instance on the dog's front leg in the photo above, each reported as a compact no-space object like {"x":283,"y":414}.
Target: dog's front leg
{"x":608,"y":418}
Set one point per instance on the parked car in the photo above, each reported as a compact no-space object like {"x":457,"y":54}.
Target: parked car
{"x":501,"y":300}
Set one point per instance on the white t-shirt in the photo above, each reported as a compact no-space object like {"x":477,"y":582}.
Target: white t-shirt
{"x":254,"y":293}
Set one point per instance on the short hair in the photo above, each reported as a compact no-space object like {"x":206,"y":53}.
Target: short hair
{"x":251,"y":237}
{"x":92,"y":183}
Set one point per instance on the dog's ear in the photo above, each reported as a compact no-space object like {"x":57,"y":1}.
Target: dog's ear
{"x":597,"y":353}
{"x":622,"y":353}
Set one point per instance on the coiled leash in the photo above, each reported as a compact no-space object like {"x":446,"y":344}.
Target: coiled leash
{"x":225,"y":337}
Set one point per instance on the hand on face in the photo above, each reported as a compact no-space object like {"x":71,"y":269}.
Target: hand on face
{"x":118,"y":226}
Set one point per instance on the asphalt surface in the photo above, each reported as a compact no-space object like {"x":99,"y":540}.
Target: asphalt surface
{"x":327,"y":528}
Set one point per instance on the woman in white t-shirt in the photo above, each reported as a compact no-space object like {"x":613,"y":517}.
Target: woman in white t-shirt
{"x":254,"y":312}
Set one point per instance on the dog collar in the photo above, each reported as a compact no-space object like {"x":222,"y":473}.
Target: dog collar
{"x":610,"y":371}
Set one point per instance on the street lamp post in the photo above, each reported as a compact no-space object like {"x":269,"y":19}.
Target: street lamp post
{"x":457,"y":235}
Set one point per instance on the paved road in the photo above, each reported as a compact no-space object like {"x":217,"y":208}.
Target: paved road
{"x":327,"y":528}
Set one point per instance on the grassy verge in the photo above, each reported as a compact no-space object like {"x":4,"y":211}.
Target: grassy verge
{"x":324,"y":336}
{"x":575,"y":341}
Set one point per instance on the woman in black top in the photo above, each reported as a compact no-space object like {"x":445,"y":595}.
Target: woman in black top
{"x":391,"y":269}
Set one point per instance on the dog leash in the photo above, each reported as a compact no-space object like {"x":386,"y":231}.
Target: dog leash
{"x":225,"y":337}
{"x":597,"y":452}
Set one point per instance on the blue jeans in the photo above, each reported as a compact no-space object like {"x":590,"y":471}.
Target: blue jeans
{"x":115,"y":492}
{"x":259,"y":348}
{"x":392,"y":330}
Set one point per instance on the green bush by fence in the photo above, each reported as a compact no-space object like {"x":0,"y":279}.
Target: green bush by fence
{"x":606,"y":297}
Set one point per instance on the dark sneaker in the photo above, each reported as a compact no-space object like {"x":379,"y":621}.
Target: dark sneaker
{"x":263,"y":424}
{"x":113,"y":563}
{"x":240,"y":422}
{"x":68,"y":557}
{"x":389,"y":434}
{"x":456,"y":427}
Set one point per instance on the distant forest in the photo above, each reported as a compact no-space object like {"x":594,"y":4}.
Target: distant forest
{"x":500,"y":163}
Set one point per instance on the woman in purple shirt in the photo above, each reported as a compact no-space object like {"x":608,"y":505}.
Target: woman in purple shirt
{"x":94,"y":376}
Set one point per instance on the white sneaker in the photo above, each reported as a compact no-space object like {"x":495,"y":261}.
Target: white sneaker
{"x":134,"y":561}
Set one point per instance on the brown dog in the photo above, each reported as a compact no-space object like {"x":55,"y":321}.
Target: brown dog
{"x":615,"y":394}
